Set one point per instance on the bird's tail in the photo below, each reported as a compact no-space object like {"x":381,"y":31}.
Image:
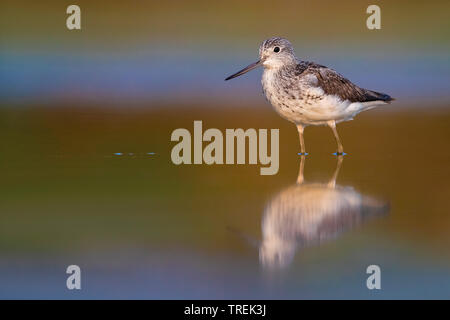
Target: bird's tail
{"x":378,"y":96}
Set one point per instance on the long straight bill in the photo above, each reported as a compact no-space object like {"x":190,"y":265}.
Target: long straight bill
{"x":245,"y":70}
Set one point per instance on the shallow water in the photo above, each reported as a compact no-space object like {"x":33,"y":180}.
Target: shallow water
{"x":96,"y":187}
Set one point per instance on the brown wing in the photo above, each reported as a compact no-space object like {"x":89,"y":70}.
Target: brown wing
{"x":333,"y":83}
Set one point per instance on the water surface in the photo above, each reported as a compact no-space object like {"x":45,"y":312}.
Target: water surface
{"x":96,"y":187}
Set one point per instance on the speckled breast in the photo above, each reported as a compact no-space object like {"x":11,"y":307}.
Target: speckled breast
{"x":296,"y":101}
{"x":288,"y":99}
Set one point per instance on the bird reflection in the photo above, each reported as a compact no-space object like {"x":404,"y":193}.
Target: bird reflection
{"x":306,"y":214}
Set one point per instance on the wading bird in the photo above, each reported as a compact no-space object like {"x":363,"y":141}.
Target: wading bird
{"x":307,"y":93}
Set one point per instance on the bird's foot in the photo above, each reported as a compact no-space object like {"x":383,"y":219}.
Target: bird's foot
{"x":340,"y":153}
{"x":303,"y":153}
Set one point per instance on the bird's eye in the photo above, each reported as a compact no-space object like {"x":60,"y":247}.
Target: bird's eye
{"x":276,"y":49}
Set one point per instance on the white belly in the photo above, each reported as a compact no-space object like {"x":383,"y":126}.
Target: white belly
{"x":308,"y":106}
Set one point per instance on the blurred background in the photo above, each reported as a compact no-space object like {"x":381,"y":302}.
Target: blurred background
{"x":85,"y":123}
{"x":149,"y":51}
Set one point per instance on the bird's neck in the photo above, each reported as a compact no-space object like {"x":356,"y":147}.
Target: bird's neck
{"x":279,"y":69}
{"x":285,"y":65}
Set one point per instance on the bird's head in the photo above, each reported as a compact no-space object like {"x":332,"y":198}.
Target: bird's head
{"x":274,"y":53}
